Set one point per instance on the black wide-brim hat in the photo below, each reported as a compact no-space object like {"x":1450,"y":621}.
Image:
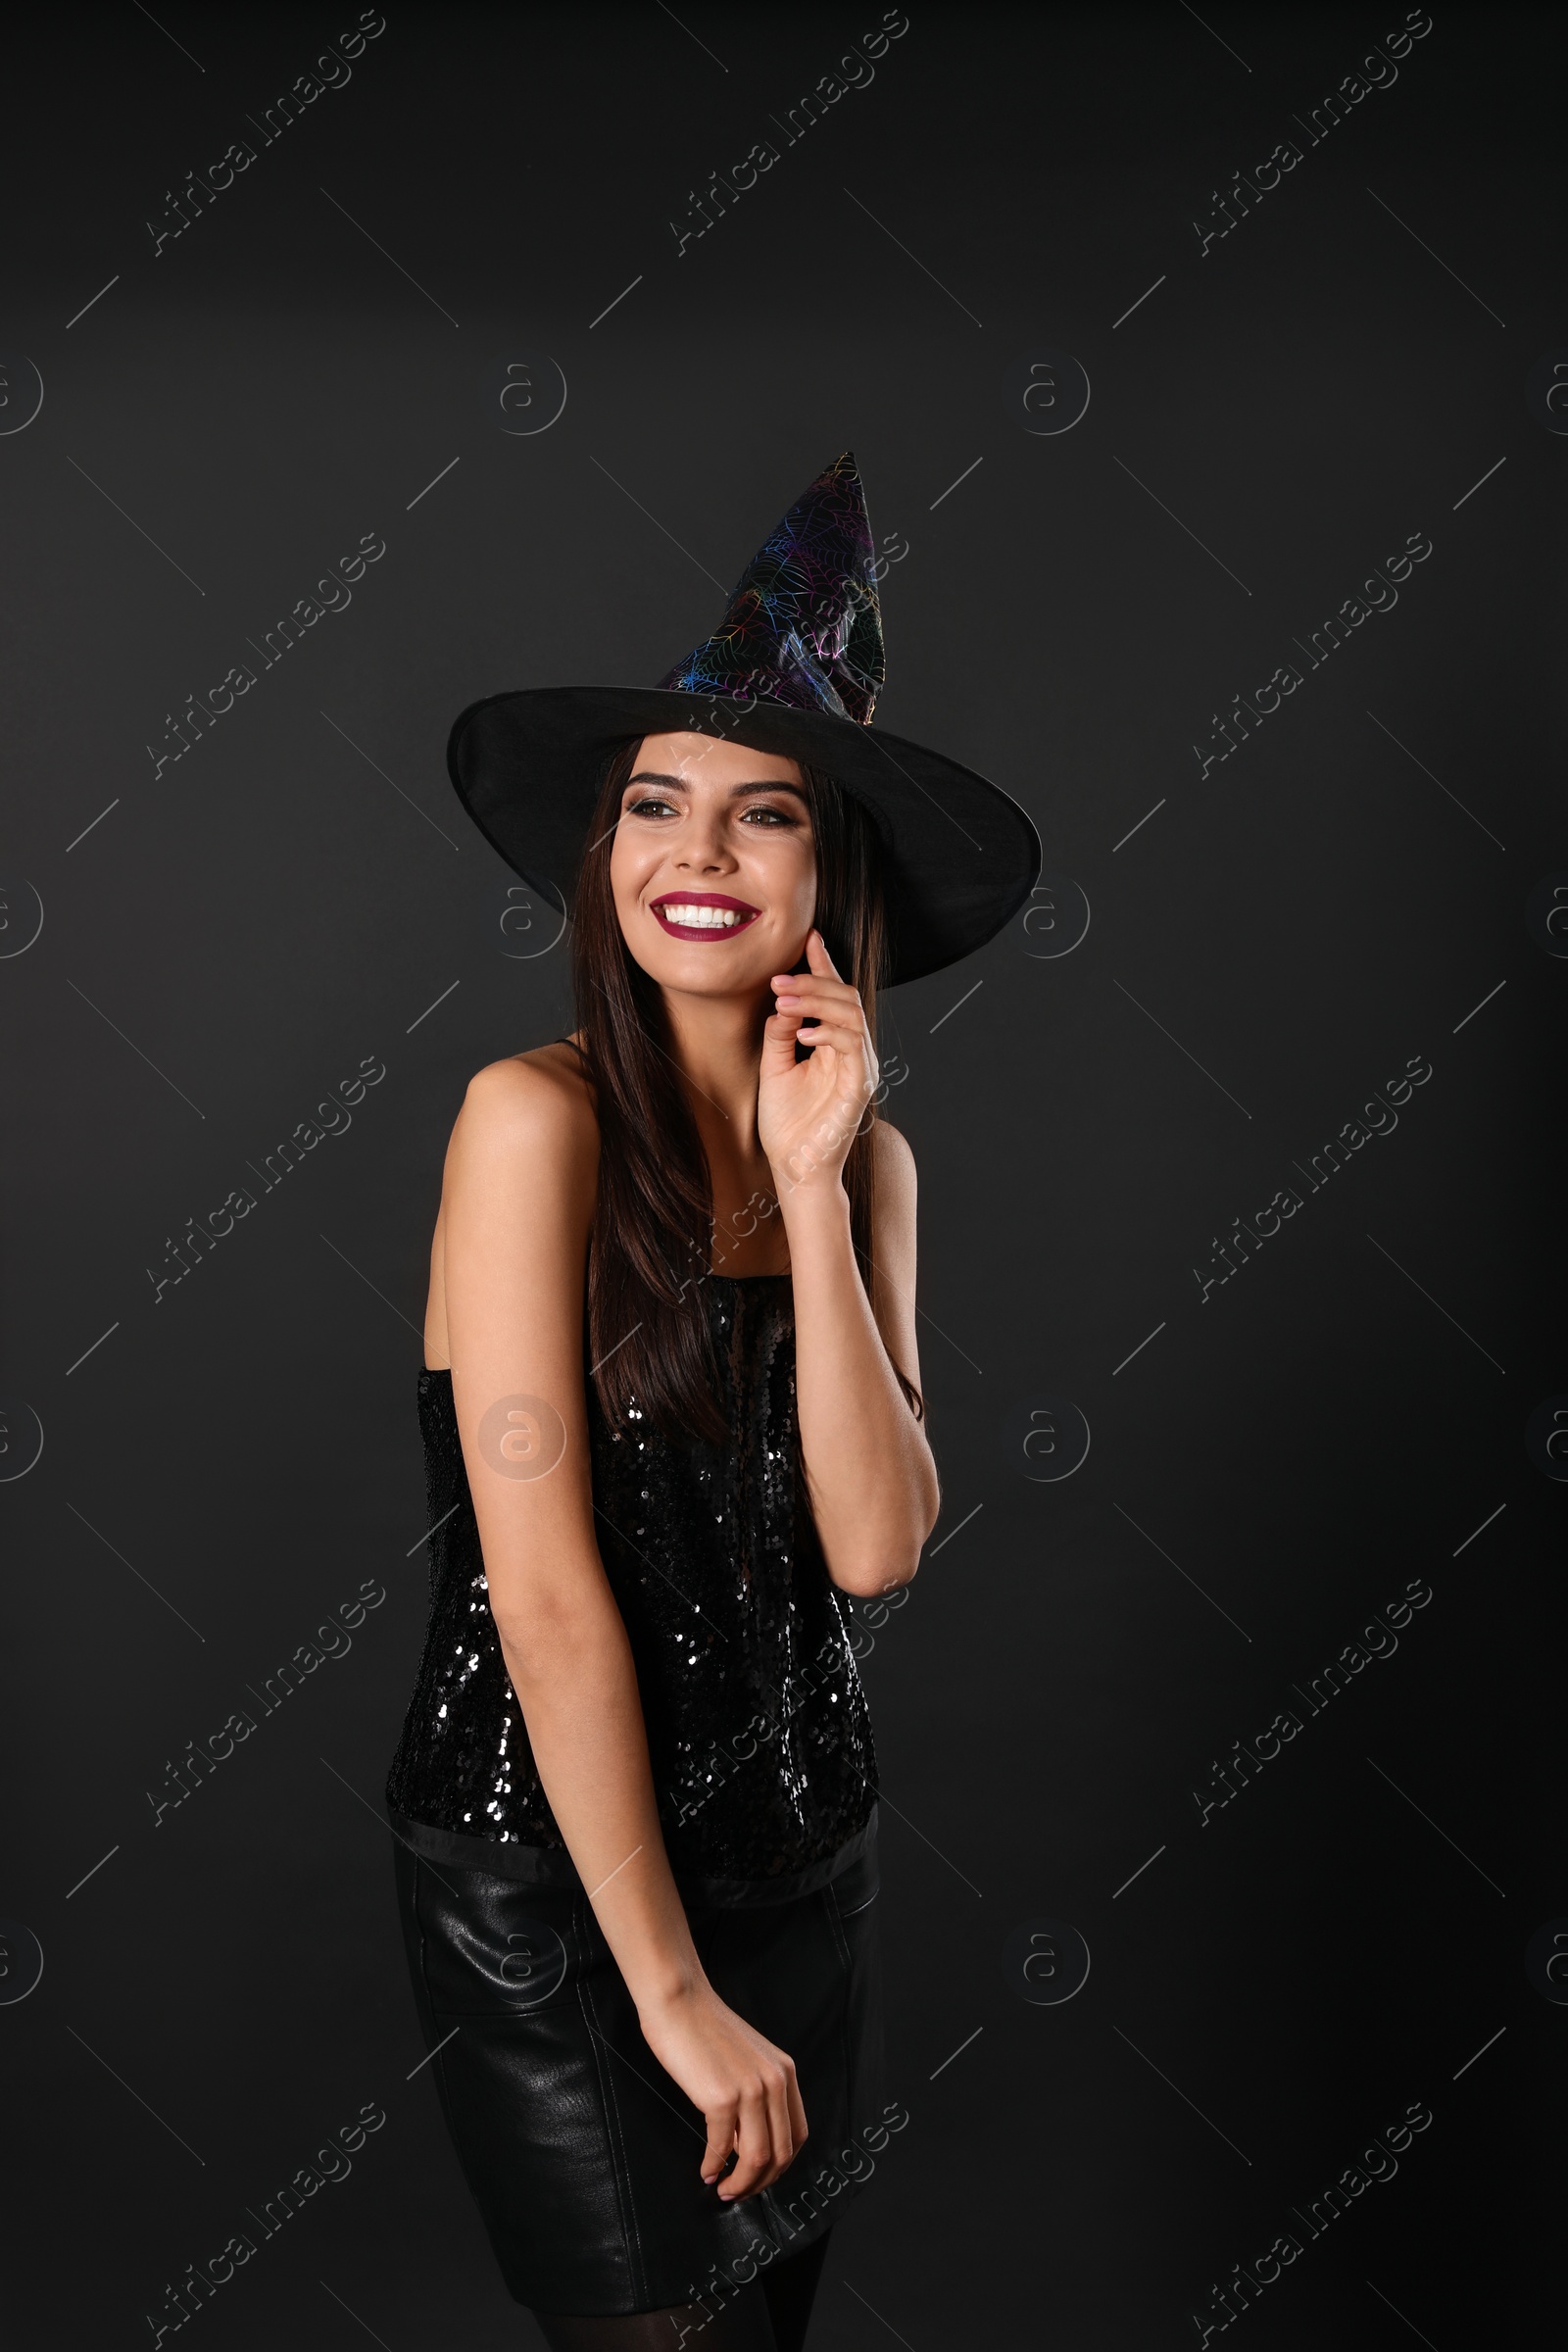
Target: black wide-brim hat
{"x":793,"y":669}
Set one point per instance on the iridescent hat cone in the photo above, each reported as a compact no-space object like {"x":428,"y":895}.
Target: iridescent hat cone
{"x":803,"y":625}
{"x":795,"y":666}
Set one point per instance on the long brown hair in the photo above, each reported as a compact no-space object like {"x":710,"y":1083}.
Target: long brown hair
{"x":653,"y":1224}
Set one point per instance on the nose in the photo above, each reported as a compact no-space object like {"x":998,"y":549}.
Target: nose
{"x":703,"y":847}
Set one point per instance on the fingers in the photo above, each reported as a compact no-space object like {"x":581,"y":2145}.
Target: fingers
{"x":755,"y":2164}
{"x":769,"y":2130}
{"x":798,"y":2129}
{"x":847,"y":1042}
{"x":720,"y":2140}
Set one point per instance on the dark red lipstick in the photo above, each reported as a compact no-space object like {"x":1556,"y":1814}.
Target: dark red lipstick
{"x":667,"y":911}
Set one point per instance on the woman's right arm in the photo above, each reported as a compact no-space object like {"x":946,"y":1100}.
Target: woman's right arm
{"x":517,"y":1198}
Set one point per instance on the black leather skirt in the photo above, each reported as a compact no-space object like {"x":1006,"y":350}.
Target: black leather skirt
{"x":581,"y":2152}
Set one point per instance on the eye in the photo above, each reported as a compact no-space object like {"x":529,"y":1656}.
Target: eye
{"x":779,"y":816}
{"x":645,"y":806}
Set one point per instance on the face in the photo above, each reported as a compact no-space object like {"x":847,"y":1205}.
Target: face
{"x":712,"y":866}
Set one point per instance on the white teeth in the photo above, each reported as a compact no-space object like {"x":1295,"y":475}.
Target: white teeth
{"x":701,"y":918}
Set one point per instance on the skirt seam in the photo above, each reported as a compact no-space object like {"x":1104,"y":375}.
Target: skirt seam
{"x":620,"y":2167}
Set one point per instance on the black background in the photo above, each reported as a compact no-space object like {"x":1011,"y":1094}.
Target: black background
{"x":1278,"y":939}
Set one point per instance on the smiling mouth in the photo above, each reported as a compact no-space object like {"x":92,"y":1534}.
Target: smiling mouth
{"x":703,"y":915}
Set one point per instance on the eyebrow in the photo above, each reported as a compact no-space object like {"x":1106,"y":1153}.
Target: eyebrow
{"x":765,"y":784}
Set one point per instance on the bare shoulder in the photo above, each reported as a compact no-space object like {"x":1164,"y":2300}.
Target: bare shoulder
{"x":538,"y":1102}
{"x":895,"y":1161}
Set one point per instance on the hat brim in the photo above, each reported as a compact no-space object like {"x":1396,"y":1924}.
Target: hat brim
{"x":961,"y":855}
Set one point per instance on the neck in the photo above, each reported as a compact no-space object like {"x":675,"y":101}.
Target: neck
{"x":717,"y":1043}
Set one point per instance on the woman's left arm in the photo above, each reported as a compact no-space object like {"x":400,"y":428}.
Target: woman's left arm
{"x":869,"y":1472}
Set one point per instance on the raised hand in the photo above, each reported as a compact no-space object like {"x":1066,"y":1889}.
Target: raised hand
{"x":809,"y":1113}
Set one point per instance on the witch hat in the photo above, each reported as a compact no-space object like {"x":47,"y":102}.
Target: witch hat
{"x":794,"y":667}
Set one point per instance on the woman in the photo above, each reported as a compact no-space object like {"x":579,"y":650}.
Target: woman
{"x":672,"y":1422}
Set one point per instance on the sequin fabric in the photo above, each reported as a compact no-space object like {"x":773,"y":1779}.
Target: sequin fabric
{"x":803,"y":623}
{"x":758,"y":1727}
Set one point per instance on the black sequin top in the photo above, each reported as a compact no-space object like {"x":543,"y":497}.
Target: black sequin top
{"x":757,"y":1722}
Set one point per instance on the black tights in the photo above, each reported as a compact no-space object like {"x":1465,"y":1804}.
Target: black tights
{"x":768,"y":2315}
